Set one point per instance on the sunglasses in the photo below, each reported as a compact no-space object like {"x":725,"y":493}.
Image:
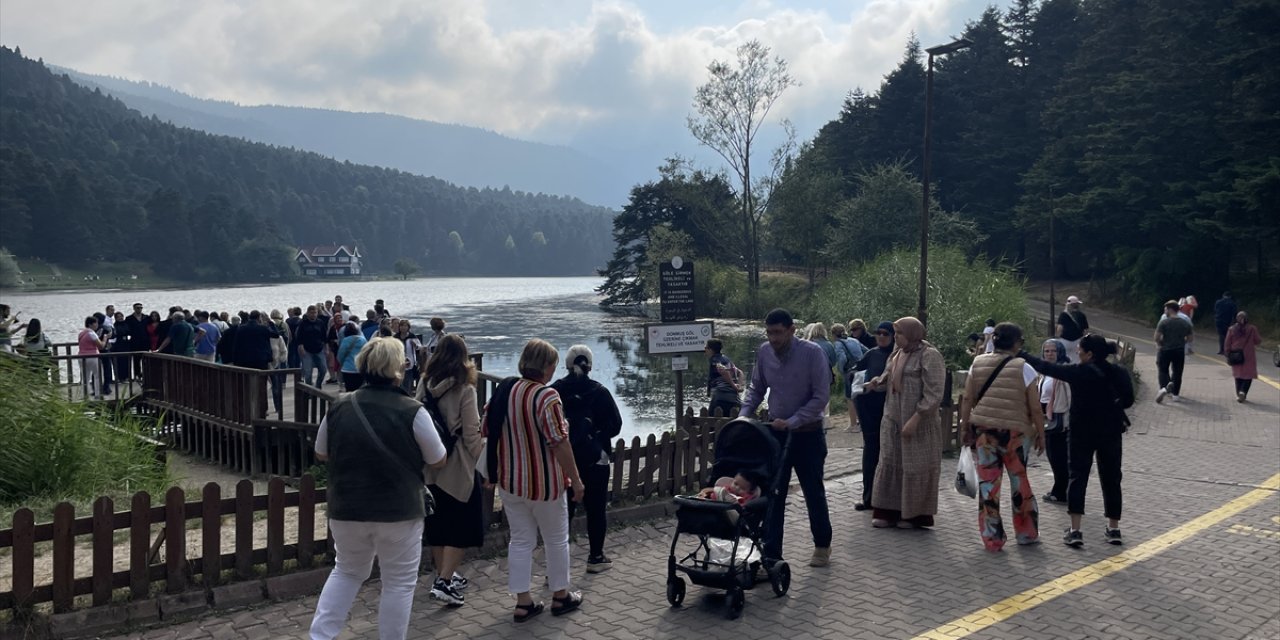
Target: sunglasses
{"x":883,"y":333}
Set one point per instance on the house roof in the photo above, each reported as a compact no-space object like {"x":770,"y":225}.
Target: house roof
{"x":327,"y":250}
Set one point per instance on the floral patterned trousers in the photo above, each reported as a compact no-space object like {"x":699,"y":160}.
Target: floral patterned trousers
{"x":998,"y":450}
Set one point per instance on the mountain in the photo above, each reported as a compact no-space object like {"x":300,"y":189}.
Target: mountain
{"x":84,"y":177}
{"x":463,"y":155}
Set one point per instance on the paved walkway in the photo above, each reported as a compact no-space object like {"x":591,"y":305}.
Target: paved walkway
{"x":1201,"y":557}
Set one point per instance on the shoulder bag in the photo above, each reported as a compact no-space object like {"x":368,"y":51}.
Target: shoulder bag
{"x":428,"y":500}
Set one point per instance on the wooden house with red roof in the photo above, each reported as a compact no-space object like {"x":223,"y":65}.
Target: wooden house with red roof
{"x":329,"y":261}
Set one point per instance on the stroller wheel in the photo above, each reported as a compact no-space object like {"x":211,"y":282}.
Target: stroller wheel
{"x":675,"y":591}
{"x":737,"y":600}
{"x":780,"y":578}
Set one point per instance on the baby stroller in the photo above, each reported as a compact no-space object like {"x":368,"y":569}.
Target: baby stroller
{"x":729,"y":535}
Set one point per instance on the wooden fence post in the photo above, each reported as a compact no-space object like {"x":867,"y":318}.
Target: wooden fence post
{"x":24,"y":559}
{"x":306,"y":521}
{"x":139,"y":544}
{"x":64,"y":563}
{"x":275,"y":526}
{"x":103,"y":556}
{"x":211,"y":534}
{"x":175,"y":540}
{"x":244,"y":529}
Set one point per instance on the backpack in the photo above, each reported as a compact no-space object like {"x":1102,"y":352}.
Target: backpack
{"x":1120,"y":380}
{"x":582,"y":430}
{"x":447,"y":436}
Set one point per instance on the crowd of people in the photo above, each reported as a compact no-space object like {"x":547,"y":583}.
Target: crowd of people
{"x":409,"y":449}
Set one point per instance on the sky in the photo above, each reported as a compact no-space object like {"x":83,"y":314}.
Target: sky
{"x":607,"y":77}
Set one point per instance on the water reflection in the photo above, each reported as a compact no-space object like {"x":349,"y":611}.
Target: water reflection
{"x":497,"y":316}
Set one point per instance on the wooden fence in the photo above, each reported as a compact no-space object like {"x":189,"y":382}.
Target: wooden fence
{"x":180,"y":568}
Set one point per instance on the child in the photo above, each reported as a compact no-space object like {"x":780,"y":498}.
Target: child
{"x":739,"y":489}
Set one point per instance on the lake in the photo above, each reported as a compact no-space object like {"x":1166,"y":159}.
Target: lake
{"x":496,"y":315}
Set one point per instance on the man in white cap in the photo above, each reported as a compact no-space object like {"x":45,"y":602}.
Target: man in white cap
{"x":1072,"y":324}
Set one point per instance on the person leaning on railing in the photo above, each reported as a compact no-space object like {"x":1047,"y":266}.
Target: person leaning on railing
{"x":376,"y":442}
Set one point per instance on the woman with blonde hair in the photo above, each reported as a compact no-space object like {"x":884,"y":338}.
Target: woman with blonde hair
{"x":376,"y":441}
{"x":458,"y":522}
{"x":530,"y":459}
{"x":905,"y":489}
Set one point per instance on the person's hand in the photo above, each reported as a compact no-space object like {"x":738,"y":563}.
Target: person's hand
{"x":909,"y":429}
{"x":487,"y":485}
{"x":778,"y":424}
{"x":578,"y":490}
{"x":1039,"y":442}
{"x":967,"y":436}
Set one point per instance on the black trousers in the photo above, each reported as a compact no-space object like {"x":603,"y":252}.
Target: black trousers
{"x":1243,"y":384}
{"x":870,"y":409}
{"x":807,"y":455}
{"x":595,"y":482}
{"x":1055,"y":448}
{"x":1169,"y":364}
{"x":1082,"y":447}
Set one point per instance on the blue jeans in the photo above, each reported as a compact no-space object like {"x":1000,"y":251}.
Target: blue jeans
{"x":807,"y":454}
{"x":310,"y":362}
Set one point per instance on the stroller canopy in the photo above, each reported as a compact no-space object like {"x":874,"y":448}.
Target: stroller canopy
{"x":745,"y":444}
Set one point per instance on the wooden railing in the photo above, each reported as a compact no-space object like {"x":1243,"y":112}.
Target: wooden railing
{"x":149,"y":528}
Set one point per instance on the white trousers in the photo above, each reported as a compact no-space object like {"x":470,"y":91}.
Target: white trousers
{"x":91,"y":376}
{"x":527,"y":518}
{"x":398,"y":546}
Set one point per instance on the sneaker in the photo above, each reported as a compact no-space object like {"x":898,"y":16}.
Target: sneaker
{"x":1240,"y":396}
{"x":1073,"y":538}
{"x":444,"y":592}
{"x":1160,"y":396}
{"x":1112,"y":536}
{"x":1174,"y":398}
{"x":458,"y":582}
{"x":821,"y":557}
{"x":599,"y":564}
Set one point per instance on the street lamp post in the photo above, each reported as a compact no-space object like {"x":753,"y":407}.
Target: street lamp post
{"x":963,"y":43}
{"x":1053,"y":302}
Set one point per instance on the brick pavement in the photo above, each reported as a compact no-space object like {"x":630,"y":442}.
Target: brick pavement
{"x":1181,"y":461}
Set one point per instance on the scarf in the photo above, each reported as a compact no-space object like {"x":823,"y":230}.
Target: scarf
{"x":913,"y":330}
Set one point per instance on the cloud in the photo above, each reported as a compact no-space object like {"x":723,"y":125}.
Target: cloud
{"x":602,"y":73}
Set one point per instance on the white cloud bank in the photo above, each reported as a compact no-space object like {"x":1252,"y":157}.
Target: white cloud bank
{"x":601,"y":75}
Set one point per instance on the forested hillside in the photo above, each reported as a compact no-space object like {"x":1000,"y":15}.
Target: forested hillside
{"x":83,"y":177}
{"x":463,"y":155}
{"x":1148,"y":130}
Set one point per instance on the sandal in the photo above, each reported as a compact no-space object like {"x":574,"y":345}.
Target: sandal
{"x":531,"y":610}
{"x":569,"y":602}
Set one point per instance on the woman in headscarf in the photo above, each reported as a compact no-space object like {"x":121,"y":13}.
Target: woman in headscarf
{"x":1055,"y":400}
{"x":870,"y":407}
{"x":905,"y":491}
{"x":1243,"y":337}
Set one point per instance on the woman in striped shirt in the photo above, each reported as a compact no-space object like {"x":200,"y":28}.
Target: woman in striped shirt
{"x":532,"y":467}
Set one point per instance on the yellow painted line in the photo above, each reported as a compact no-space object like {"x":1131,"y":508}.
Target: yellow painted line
{"x":1218,"y":361}
{"x":1035,"y":596}
{"x":1244,"y":529}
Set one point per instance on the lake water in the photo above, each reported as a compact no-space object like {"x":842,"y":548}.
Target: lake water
{"x":497,"y":316}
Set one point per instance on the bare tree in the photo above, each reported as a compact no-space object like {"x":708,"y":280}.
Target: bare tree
{"x":731,"y":107}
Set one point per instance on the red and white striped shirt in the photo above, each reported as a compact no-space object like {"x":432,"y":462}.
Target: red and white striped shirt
{"x":535,"y":424}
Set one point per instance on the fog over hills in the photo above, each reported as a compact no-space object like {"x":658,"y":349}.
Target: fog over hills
{"x":466,"y":156}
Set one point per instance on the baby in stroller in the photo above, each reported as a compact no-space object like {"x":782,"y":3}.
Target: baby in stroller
{"x":740,"y":488}
{"x":728,"y":519}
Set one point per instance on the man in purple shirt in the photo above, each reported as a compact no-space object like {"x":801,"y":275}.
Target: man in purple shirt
{"x":797,"y":378}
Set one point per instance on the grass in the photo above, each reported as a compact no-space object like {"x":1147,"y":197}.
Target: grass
{"x":54,"y":451}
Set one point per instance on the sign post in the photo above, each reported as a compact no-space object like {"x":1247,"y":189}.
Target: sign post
{"x":678,"y":332}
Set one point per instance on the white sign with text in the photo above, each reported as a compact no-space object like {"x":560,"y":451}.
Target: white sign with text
{"x":684,"y":337}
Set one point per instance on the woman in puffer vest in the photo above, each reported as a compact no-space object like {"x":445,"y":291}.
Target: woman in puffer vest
{"x":1000,"y":418}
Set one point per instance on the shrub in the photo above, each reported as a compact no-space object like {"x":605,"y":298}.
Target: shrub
{"x":721,"y":292}
{"x":54,"y":451}
{"x":962,"y":294}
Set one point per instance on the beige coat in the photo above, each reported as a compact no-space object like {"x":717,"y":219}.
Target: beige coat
{"x":460,"y":410}
{"x":910,"y":468}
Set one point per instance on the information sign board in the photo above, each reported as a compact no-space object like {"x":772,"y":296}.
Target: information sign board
{"x":678,"y":338}
{"x":675,"y":290}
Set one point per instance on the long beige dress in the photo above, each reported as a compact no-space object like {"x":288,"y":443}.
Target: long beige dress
{"x":909,"y":469}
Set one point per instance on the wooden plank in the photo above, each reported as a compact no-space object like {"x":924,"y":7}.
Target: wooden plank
{"x":650,"y":465}
{"x":244,"y":529}
{"x":211,"y":534}
{"x":24,"y":558}
{"x":306,"y":521}
{"x":666,"y":462}
{"x":275,"y":526}
{"x":64,"y":567}
{"x":619,"y":456}
{"x":103,"y":547}
{"x":633,"y":477}
{"x":139,"y":544}
{"x":175,"y":542}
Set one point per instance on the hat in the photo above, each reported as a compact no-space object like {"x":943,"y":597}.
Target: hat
{"x":885,"y":326}
{"x":1074,"y":300}
{"x":579,"y":358}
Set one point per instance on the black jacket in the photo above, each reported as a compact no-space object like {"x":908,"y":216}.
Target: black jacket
{"x":1093,"y":406}
{"x":586,"y":398}
{"x":252,"y":345}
